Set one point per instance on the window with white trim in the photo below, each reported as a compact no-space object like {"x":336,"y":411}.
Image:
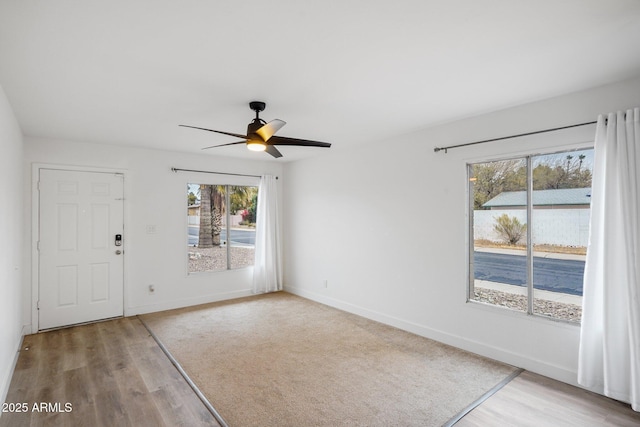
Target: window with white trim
{"x":220,"y":227}
{"x":528,"y":232}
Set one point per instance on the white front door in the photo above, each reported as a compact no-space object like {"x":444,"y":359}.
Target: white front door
{"x":80,"y":265}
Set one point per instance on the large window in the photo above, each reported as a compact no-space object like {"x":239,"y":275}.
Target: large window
{"x":221,"y":226}
{"x":529,"y":226}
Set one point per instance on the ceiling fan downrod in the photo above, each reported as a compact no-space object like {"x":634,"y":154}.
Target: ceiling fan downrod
{"x":257,"y":106}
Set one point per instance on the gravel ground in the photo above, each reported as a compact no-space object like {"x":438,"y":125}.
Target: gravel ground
{"x":557,"y":310}
{"x":213,"y":259}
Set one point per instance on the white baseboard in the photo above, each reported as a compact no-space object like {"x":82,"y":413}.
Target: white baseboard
{"x":502,"y":355}
{"x":6,"y":379}
{"x":185,"y":302}
{"x":27,"y":330}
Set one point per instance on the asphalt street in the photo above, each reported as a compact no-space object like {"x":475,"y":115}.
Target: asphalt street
{"x":549,"y":274}
{"x":239,"y":237}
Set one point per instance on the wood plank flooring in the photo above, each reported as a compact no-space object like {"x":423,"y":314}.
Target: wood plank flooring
{"x":114,"y":373}
{"x":111,"y":373}
{"x":536,"y":401}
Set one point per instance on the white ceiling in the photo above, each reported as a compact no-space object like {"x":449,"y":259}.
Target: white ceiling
{"x":347,"y":71}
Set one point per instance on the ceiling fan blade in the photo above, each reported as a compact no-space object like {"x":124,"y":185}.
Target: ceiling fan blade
{"x":273,"y":151}
{"x":237,"y":135}
{"x":283,"y":140}
{"x":270,"y":128}
{"x":223,"y":145}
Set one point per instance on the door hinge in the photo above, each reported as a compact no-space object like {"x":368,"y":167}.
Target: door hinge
{"x":38,"y":246}
{"x":38,"y":305}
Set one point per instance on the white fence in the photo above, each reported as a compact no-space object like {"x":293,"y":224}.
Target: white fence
{"x":564,"y":227}
{"x":195,"y":220}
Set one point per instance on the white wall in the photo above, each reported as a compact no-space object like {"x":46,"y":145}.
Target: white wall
{"x":154,"y":195}
{"x":410,"y":270}
{"x":11,"y":215}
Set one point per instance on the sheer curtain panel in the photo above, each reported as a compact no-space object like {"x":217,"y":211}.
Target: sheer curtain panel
{"x":609,"y":358}
{"x":267,"y":269}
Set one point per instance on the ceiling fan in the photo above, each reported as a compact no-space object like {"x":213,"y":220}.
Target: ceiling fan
{"x":260,"y":134}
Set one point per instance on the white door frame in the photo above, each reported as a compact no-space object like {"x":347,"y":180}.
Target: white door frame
{"x":35,"y":230}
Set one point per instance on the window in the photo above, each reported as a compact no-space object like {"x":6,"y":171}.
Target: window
{"x":221,"y":226}
{"x":529,"y":226}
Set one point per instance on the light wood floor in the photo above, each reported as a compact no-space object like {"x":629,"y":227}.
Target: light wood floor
{"x":537,"y":401}
{"x":112,"y":373}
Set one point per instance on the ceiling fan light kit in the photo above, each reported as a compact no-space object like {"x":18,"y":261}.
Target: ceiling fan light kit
{"x":260,"y":134}
{"x":256,"y":145}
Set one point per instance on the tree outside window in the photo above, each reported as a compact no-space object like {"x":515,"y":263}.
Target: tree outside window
{"x":221,"y":235}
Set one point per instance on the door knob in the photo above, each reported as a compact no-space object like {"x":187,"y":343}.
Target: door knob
{"x":118,"y":252}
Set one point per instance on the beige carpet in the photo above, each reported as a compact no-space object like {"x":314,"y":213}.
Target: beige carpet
{"x":281,"y":360}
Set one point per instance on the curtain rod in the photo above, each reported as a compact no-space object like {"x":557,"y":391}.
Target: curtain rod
{"x":218,"y":173}
{"x":512,"y":136}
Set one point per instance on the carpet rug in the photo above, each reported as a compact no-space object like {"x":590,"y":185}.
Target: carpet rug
{"x":282,"y":360}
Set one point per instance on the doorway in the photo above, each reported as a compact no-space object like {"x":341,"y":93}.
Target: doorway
{"x":80,"y":247}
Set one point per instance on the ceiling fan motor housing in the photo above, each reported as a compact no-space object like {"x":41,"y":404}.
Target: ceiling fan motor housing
{"x":257,"y":123}
{"x":253,"y":127}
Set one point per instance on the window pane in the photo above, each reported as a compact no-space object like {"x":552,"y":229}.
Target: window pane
{"x":242,"y":225}
{"x":498,"y":192}
{"x":206,"y":209}
{"x":560,"y":221}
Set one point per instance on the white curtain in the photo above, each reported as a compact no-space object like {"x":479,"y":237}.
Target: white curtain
{"x":267,"y":269}
{"x":609,"y":359}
